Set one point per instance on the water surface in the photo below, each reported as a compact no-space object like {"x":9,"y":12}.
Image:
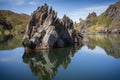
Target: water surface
{"x":97,"y":59}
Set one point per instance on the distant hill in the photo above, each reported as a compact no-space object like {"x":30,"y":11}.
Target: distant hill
{"x":107,"y":22}
{"x":12,"y":21}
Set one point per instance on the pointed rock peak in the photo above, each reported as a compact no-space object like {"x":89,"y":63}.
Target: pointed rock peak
{"x":66,"y":17}
{"x":45,"y":4}
{"x":45,"y":30}
{"x":50,"y":10}
{"x":91,"y":15}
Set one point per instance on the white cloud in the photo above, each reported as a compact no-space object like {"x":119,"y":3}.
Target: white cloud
{"x":83,"y":12}
{"x":32,"y":3}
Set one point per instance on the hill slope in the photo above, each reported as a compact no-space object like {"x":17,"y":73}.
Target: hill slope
{"x":107,"y":22}
{"x":12,"y":21}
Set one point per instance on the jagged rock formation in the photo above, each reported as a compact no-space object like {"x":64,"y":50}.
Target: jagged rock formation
{"x":87,"y":23}
{"x":46,"y":30}
{"x":91,"y":15}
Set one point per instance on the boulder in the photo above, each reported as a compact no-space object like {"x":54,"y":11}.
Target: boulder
{"x":45,"y":30}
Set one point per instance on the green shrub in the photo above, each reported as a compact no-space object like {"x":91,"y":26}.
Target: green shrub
{"x":104,"y":21}
{"x":1,"y":28}
{"x":94,"y":20}
{"x":18,"y":27}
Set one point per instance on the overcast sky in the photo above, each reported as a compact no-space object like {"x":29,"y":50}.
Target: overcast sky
{"x":75,"y":9}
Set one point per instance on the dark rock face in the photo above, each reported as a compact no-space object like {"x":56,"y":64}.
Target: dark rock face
{"x":4,"y":23}
{"x":46,"y":30}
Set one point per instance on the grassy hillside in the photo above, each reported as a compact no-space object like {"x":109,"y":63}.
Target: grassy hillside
{"x":17,"y":21}
{"x":100,"y":22}
{"x":107,"y":22}
{"x":109,"y":19}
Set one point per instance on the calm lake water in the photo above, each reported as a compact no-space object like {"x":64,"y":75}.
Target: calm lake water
{"x":97,"y":59}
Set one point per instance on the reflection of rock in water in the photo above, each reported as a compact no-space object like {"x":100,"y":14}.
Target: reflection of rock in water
{"x":9,"y":41}
{"x":44,"y":64}
{"x":114,"y":48}
{"x":110,"y":43}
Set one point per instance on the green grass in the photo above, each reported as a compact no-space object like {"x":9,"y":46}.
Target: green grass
{"x":101,"y":21}
{"x":18,"y":27}
{"x":1,"y":28}
{"x":104,"y":21}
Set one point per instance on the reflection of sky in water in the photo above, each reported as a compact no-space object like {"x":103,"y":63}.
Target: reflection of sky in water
{"x":11,"y":55}
{"x":12,"y":66}
{"x":90,"y":64}
{"x":97,"y":50}
{"x":86,"y":64}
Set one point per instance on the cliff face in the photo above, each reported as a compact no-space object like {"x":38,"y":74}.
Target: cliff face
{"x":46,"y":30}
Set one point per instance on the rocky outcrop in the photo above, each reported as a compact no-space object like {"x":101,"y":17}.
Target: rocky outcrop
{"x":87,"y":23}
{"x":91,"y":15}
{"x":107,"y":22}
{"x":110,"y":30}
{"x":114,"y":12}
{"x":46,"y":30}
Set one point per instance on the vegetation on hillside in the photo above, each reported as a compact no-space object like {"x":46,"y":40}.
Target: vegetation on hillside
{"x":100,"y":22}
{"x":108,"y":21}
{"x":17,"y":21}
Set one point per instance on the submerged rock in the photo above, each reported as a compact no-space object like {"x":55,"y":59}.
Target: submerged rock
{"x":46,"y":30}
